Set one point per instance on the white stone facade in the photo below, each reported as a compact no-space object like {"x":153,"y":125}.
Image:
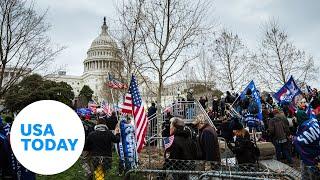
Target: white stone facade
{"x":102,"y":58}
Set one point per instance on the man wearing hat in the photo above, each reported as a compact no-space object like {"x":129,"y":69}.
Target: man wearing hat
{"x":182,"y":146}
{"x":208,"y":139}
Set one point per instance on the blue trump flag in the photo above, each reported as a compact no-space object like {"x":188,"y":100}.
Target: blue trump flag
{"x":128,"y":145}
{"x":287,"y":94}
{"x":255,"y":96}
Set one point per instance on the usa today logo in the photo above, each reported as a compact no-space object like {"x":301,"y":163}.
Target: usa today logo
{"x":47,"y":137}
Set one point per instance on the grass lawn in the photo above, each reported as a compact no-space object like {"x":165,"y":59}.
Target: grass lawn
{"x":76,"y":172}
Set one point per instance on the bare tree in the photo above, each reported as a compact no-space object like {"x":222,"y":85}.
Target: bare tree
{"x":232,"y":60}
{"x":171,"y":31}
{"x":279,"y":58}
{"x":130,"y":13}
{"x":206,"y":69}
{"x":24,"y":44}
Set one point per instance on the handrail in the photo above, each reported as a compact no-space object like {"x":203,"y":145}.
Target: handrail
{"x":206,"y":114}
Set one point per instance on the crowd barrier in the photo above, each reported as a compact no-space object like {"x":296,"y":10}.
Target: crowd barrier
{"x":97,"y":168}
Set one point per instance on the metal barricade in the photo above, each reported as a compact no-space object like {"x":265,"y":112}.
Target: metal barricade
{"x":193,"y":169}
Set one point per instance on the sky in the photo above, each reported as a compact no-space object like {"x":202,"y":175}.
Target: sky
{"x":75,"y":24}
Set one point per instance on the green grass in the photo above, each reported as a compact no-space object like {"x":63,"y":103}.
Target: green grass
{"x":76,"y":172}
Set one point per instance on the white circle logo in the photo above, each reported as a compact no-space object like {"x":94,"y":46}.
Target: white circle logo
{"x":47,"y":137}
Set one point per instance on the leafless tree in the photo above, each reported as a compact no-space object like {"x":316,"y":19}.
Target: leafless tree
{"x":231,"y":60}
{"x":206,"y":69}
{"x":171,"y":30}
{"x":24,"y":44}
{"x":279,"y":58}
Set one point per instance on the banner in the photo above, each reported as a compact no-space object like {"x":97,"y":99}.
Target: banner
{"x":255,"y":96}
{"x":18,"y":171}
{"x":289,"y":93}
{"x":128,"y":144}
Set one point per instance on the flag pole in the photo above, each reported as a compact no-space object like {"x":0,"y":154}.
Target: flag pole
{"x":113,"y":104}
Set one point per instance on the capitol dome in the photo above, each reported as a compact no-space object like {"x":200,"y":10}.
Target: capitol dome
{"x":103,"y":54}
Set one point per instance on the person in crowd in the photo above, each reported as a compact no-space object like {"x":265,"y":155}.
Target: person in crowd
{"x":269,"y":100}
{"x":229,"y":98}
{"x":222,"y":106}
{"x":152,"y":113}
{"x":152,"y":110}
{"x":215,"y":106}
{"x":278,"y":129}
{"x":208,"y":139}
{"x":250,"y":110}
{"x":314,"y":101}
{"x":5,"y":172}
{"x":203,"y":101}
{"x":190,"y":109}
{"x":190,"y":95}
{"x":307,"y":143}
{"x":211,"y":113}
{"x":243,"y":148}
{"x":226,"y":129}
{"x":99,"y":144}
{"x":112,"y":121}
{"x":181,"y":149}
{"x":166,"y":125}
{"x":182,"y":146}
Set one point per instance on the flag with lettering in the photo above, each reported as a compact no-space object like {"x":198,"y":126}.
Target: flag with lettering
{"x":128,"y":143}
{"x":138,"y":112}
{"x":255,"y":95}
{"x":287,"y":94}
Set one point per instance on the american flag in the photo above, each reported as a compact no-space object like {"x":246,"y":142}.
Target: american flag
{"x":126,"y":107}
{"x":106,"y":108}
{"x":115,"y":84}
{"x":134,"y":105}
{"x":168,"y":142}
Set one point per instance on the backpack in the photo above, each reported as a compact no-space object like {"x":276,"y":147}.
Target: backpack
{"x":195,"y":139}
{"x":253,"y":107}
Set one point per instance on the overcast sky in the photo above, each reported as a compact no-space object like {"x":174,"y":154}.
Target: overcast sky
{"x":75,"y":23}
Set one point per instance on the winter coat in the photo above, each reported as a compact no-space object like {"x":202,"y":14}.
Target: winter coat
{"x":209,"y":144}
{"x":243,"y":149}
{"x":152,"y":111}
{"x":203,"y":102}
{"x":182,"y":147}
{"x":112,"y":122}
{"x":229,"y":99}
{"x":99,"y":142}
{"x":279,"y":127}
{"x":215,"y":105}
{"x":166,"y":126}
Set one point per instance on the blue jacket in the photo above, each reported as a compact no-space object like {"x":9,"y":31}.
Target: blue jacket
{"x":307,"y":141}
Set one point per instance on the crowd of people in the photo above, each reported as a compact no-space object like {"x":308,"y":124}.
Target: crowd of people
{"x":294,"y":131}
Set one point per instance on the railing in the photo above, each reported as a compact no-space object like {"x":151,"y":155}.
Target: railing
{"x":187,"y":110}
{"x":195,"y":169}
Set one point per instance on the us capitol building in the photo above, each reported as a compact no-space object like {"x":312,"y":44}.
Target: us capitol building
{"x":103,"y":57}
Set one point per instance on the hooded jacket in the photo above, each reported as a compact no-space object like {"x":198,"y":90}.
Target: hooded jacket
{"x":182,"y":147}
{"x":99,"y":142}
